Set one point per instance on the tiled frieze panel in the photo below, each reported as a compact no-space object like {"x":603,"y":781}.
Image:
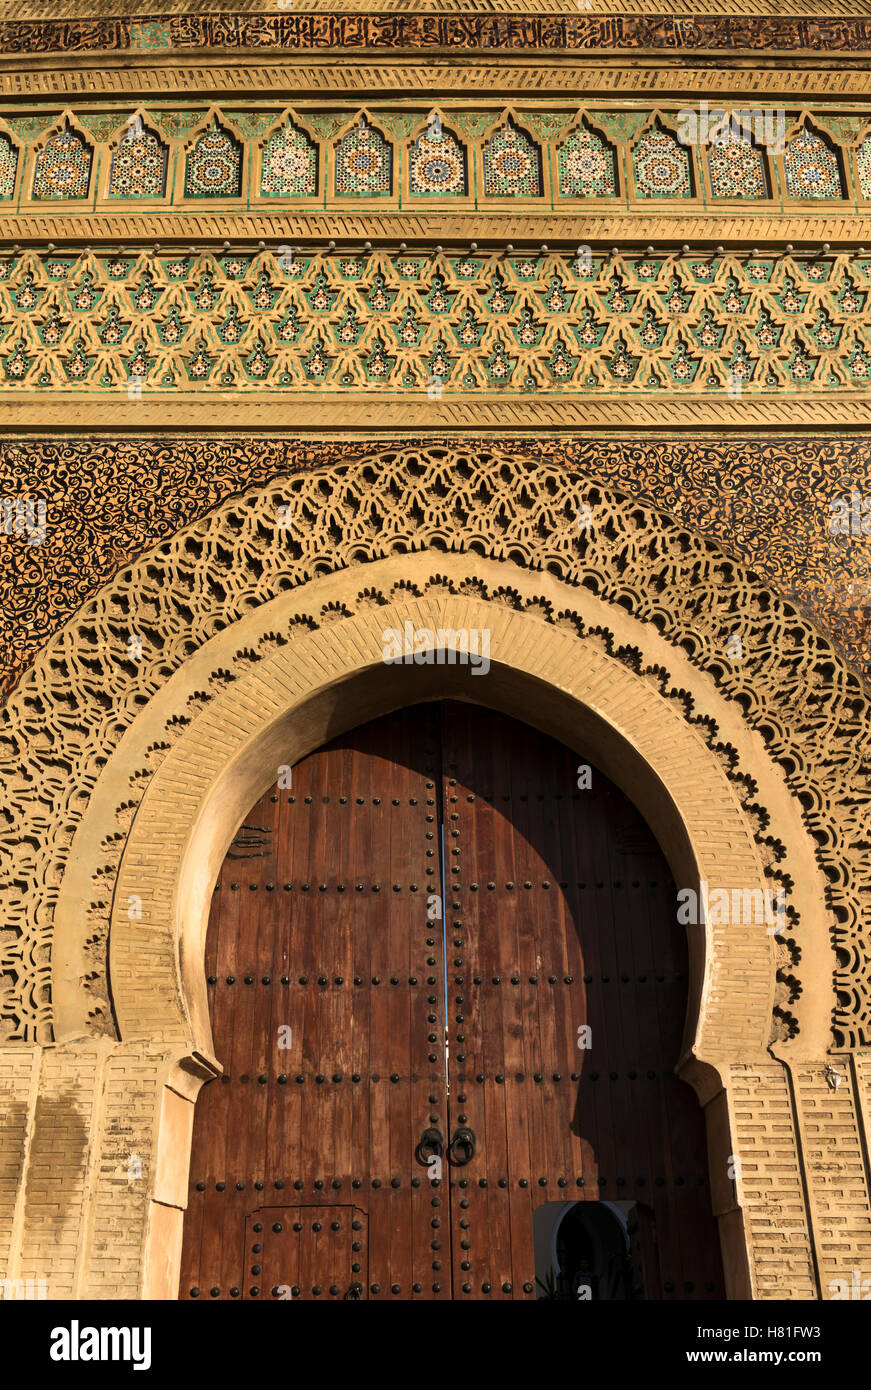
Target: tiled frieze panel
{"x":532,"y":155}
{"x":138,"y":168}
{"x":737,"y":169}
{"x":587,"y":166}
{"x":448,"y":324}
{"x":8,"y":167}
{"x":863,"y":164}
{"x":363,"y":163}
{"x":463,"y":32}
{"x":63,"y":168}
{"x":812,"y":168}
{"x":437,"y":165}
{"x":290,"y":165}
{"x":512,"y":165}
{"x":663,"y":168}
{"x":214,"y":166}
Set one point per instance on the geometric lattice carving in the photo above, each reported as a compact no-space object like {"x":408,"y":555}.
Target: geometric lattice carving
{"x":74,"y":706}
{"x":782,"y":489}
{"x":532,"y":323}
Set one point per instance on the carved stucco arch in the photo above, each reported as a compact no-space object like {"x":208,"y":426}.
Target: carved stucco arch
{"x":665,"y":604}
{"x":333,"y":678}
{"x":614,"y":635}
{"x":329,"y":677}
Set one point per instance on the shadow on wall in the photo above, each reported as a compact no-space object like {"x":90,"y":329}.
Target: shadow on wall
{"x":57,"y":1166}
{"x":582,"y":1252}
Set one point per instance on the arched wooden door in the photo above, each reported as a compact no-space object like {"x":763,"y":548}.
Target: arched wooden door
{"x":435,"y":929}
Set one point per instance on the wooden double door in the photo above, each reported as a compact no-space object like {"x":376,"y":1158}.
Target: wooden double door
{"x":447,"y":987}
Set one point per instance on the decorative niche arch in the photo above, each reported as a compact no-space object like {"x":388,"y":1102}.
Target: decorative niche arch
{"x":213,"y":160}
{"x":288,"y":161}
{"x":11,"y":156}
{"x":813,"y":164}
{"x":62,"y":162}
{"x":362,"y":159}
{"x":862,"y":165}
{"x":786,"y":725}
{"x":139,"y":164}
{"x":437,"y":160}
{"x":588,"y":162}
{"x":736,"y":164}
{"x":662,"y":167}
{"x":512,"y":160}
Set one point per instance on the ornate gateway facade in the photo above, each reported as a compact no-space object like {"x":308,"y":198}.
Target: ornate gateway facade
{"x":531,"y":953}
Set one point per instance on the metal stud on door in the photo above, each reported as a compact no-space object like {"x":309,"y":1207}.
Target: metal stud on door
{"x":565,"y":1017}
{"x":306,"y":1252}
{"x":342,"y":1141}
{"x":326,"y":995}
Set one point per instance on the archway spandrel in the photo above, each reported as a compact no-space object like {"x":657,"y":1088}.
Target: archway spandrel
{"x":668,"y":599}
{"x":778,"y":527}
{"x":186,"y":862}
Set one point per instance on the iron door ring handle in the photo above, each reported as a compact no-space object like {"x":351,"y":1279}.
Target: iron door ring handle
{"x":432,"y":1143}
{"x":462,"y":1149}
{"x":355,"y":1291}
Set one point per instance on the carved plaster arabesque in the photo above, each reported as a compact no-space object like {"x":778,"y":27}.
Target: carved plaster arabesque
{"x":407,"y":500}
{"x":74,"y":9}
{"x":766,"y":504}
{"x":131,"y":74}
{"x":586,"y":354}
{"x":266,"y":714}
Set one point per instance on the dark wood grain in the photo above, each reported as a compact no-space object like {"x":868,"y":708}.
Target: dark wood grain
{"x":566,"y":892}
{"x":331,"y":883}
{"x":559,"y":913}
